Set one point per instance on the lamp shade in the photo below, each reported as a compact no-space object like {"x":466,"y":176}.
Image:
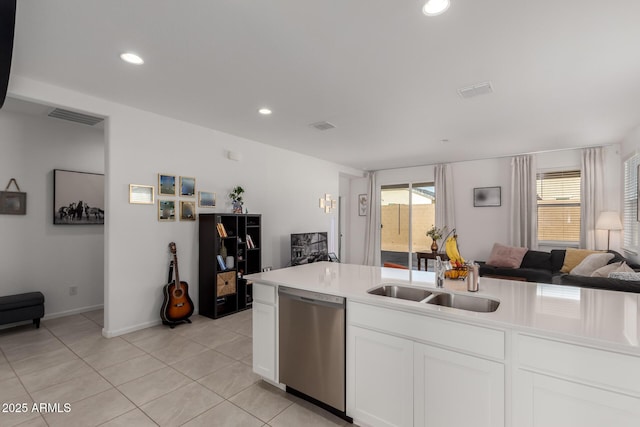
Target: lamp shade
{"x":609,"y":220}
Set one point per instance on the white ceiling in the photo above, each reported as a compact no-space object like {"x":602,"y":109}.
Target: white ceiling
{"x":565,"y":73}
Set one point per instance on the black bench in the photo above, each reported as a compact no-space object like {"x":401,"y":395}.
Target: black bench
{"x":20,"y":307}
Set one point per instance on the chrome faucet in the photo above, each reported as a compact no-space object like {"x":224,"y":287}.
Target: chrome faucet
{"x":440,"y":268}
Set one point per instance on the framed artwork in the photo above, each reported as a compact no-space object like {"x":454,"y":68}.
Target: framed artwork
{"x":166,"y":185}
{"x":363,"y":205}
{"x":141,"y":194}
{"x":13,"y":202}
{"x":187,"y":211}
{"x":166,"y":210}
{"x":206,"y":199}
{"x":487,"y":196}
{"x":78,"y":197}
{"x":187,"y":186}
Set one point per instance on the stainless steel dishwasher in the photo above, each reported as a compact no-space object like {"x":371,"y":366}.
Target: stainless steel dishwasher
{"x":312,"y":346}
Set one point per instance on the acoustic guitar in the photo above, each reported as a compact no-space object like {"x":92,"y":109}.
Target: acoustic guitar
{"x":177,"y":305}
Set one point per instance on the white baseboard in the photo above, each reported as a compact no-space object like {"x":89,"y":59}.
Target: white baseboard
{"x":118,"y":332}
{"x":72,"y":312}
{"x":128,"y":329}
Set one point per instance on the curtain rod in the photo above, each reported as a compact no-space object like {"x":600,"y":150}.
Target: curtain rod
{"x":501,"y":157}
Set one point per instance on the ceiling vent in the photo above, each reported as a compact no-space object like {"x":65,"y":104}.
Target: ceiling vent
{"x":72,"y":116}
{"x":322,"y":125}
{"x":475,"y":90}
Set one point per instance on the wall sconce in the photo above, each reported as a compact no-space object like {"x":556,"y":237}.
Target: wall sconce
{"x":327,"y":203}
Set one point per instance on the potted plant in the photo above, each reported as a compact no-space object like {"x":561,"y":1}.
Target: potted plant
{"x":236,"y":199}
{"x":436,"y":234}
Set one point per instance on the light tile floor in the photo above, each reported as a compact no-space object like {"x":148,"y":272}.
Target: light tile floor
{"x":197,"y":374}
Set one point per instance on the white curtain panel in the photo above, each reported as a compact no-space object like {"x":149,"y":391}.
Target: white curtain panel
{"x":371,"y":252}
{"x":591,"y":194}
{"x":445,"y":215}
{"x":523,"y":230}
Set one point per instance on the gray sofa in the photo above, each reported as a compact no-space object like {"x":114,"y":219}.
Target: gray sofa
{"x":544,"y":267}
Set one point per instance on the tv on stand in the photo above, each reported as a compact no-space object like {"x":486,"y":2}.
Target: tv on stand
{"x":309,"y":247}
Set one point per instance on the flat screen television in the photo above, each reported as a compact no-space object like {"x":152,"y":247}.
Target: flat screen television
{"x":309,"y":247}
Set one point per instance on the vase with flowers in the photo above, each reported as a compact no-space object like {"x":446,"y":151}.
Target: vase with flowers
{"x":236,"y":199}
{"x":436,"y":234}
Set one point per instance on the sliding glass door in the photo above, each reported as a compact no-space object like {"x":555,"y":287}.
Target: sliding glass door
{"x":407,"y":211}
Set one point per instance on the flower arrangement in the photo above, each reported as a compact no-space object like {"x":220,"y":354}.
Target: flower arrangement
{"x":236,"y":199}
{"x":436,"y":233}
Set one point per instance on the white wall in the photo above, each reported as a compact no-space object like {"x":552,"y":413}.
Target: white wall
{"x":480,"y":227}
{"x":283,"y":186}
{"x":37,"y":255}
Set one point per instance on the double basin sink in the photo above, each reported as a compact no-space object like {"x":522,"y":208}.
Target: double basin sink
{"x":443,"y":299}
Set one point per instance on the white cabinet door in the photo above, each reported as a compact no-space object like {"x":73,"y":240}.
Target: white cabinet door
{"x":379,"y":378}
{"x":544,"y":401}
{"x":454,"y":389}
{"x":264,"y":340}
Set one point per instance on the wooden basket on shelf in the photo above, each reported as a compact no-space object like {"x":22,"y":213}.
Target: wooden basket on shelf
{"x":226,"y":283}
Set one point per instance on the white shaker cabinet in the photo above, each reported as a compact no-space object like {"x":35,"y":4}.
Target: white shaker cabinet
{"x":565,"y":385}
{"x":379,"y":378}
{"x":405,"y":369}
{"x":265,"y":342}
{"x":453,"y":389}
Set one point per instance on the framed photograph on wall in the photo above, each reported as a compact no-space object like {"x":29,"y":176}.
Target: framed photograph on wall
{"x":141,"y":194}
{"x":187,"y":211}
{"x":166,"y":185}
{"x":78,"y":198}
{"x":13,"y":202}
{"x":206,"y":199}
{"x":363,"y":205}
{"x":487,"y":197}
{"x":166,"y":210}
{"x":187,"y":186}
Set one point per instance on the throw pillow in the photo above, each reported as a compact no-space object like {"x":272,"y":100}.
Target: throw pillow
{"x":625,"y":275}
{"x":612,"y":268}
{"x":591,"y":263}
{"x":506,"y":256}
{"x":573,"y":257}
{"x":536,"y":259}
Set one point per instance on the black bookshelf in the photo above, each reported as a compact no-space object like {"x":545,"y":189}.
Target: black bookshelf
{"x":223,"y":289}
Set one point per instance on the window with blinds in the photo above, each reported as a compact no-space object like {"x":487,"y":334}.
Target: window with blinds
{"x":630,"y":215}
{"x":558,"y":196}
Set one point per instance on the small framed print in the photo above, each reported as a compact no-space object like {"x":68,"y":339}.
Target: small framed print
{"x":363,"y":205}
{"x":166,"y":210}
{"x":141,"y":194}
{"x":187,"y":186}
{"x":166,"y":185}
{"x":487,"y":196}
{"x":206,"y":199}
{"x":187,"y":211}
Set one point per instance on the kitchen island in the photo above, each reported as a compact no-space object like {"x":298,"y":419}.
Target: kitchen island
{"x":548,"y":356}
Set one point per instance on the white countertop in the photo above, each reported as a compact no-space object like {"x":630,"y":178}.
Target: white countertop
{"x":591,"y":316}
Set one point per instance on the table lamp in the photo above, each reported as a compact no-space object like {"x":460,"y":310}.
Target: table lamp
{"x":608,"y":220}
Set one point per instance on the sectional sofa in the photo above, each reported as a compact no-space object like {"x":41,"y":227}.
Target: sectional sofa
{"x":545,"y":267}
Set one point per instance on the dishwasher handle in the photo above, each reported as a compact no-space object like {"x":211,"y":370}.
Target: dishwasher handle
{"x":309,"y":297}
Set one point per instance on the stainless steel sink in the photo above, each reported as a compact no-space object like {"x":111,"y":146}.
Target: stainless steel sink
{"x":401,"y":292}
{"x":464,"y":302}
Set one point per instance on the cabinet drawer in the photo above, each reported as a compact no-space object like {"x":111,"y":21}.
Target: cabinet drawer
{"x":600,"y":368}
{"x":461,"y":336}
{"x":264,"y":293}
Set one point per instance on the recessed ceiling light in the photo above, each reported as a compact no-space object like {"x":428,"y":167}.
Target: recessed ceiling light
{"x":131,"y":58}
{"x":264,"y":111}
{"x":435,"y":7}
